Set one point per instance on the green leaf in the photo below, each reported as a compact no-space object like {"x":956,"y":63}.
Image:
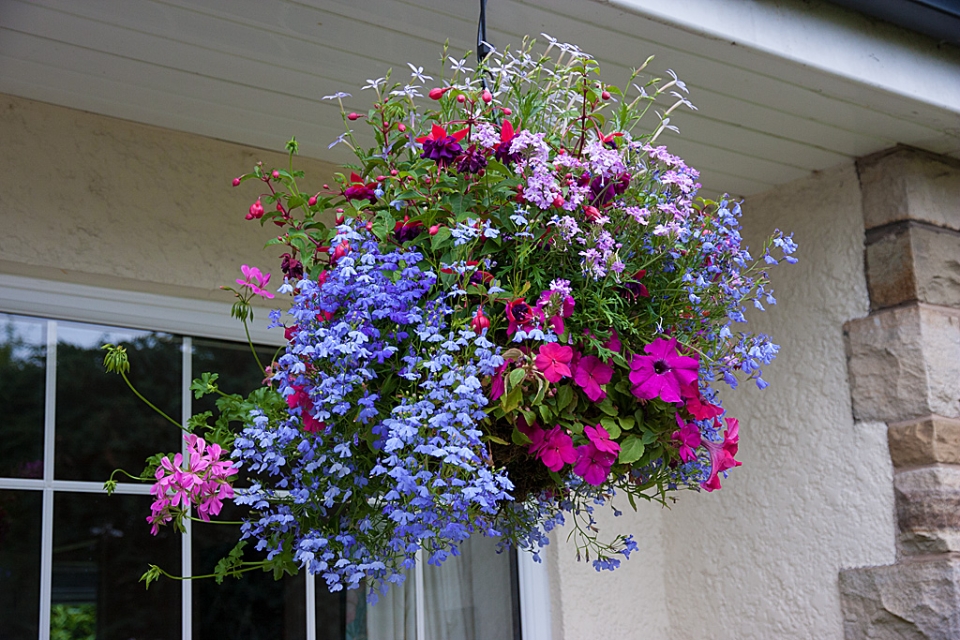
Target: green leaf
{"x":152,"y":575}
{"x":564,"y":396}
{"x":545,"y":413}
{"x":630,"y":450}
{"x":442,"y":236}
{"x":516,"y":377}
{"x":520,"y":438}
{"x":607,"y":407}
{"x":611,"y":426}
{"x":509,"y":402}
{"x":383,"y":225}
{"x":627,"y":422}
{"x":648,"y":437}
{"x":529,"y":416}
{"x":497,"y":440}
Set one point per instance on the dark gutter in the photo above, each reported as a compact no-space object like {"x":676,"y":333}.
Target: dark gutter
{"x":939,"y":19}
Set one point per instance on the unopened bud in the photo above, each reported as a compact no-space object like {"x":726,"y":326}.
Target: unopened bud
{"x":486,"y":96}
{"x":435,"y":229}
{"x":353,"y":115}
{"x":236,"y":182}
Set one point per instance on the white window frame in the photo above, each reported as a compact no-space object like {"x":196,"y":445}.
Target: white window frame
{"x":190,"y":318}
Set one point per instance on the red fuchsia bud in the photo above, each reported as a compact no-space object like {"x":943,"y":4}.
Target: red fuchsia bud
{"x":519,"y":198}
{"x":279,"y":207}
{"x":482,"y":172}
{"x":461,"y":98}
{"x":394,"y":172}
{"x":326,"y":186}
{"x":401,"y":127}
{"x":339,"y":219}
{"x":486,"y":96}
{"x":256,"y":210}
{"x":312,"y":201}
{"x":381,"y":178}
{"x":341,"y":250}
{"x":605,"y":95}
{"x":437,"y":92}
{"x":591,"y":213}
{"x":275,"y":174}
{"x":519,"y":188}
{"x":427,"y":180}
{"x":369,"y":225}
{"x":507,"y":111}
{"x":434,"y":230}
{"x":279,"y":223}
{"x":236,"y":182}
{"x":558,"y":201}
{"x":339,"y":210}
{"x":480,"y":321}
{"x":353,"y":116}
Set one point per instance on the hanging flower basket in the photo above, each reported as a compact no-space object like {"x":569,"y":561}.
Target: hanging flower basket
{"x":512,"y":308}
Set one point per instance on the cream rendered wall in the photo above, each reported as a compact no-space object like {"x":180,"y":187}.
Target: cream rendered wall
{"x":95,"y":200}
{"x":760,"y":558}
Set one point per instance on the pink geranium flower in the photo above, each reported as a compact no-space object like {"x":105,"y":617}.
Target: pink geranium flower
{"x":662,"y":372}
{"x":591,"y":373}
{"x":722,"y":454}
{"x":556,"y":449}
{"x":554,"y":361}
{"x":254,"y":280}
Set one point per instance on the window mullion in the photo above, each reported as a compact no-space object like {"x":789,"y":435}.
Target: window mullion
{"x":49,"y":437}
{"x":186,"y":546}
{"x":420,"y":589}
{"x":311,"y":595}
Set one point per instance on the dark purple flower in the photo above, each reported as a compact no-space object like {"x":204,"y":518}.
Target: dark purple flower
{"x":360,"y":191}
{"x":404,"y":231}
{"x":291,"y":267}
{"x":440,"y":147}
{"x":472,"y":161}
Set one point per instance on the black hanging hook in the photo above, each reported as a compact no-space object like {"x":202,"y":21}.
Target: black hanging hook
{"x":483,"y":49}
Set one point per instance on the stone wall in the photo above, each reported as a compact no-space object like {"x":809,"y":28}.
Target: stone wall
{"x":904,"y":361}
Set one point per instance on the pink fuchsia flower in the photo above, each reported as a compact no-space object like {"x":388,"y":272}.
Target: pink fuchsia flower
{"x":556,"y":449}
{"x":592,"y":464}
{"x":689,"y":438}
{"x":502,"y":148}
{"x":695,"y":404}
{"x":635,"y":288}
{"x":521,"y":315}
{"x":722,"y":454}
{"x":553,"y":360}
{"x":590,"y":374}
{"x":254,"y":280}
{"x":662,"y":372}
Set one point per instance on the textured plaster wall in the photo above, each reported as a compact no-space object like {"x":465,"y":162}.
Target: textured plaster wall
{"x":760,"y":558}
{"x":95,"y":200}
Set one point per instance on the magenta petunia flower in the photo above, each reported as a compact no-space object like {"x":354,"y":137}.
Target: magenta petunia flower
{"x":556,"y":449}
{"x":613,"y":342}
{"x":722,"y":454}
{"x":554,"y":361}
{"x":689,"y":438}
{"x":662,"y":372}
{"x":254,"y":280}
{"x":592,"y":464}
{"x":591,"y":373}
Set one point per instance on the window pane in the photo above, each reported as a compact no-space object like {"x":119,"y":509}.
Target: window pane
{"x":473,"y":596}
{"x":20,"y":513}
{"x":101,"y":424}
{"x":255,"y":607}
{"x":101,"y":547}
{"x":22,"y":372}
{"x":393,"y":617}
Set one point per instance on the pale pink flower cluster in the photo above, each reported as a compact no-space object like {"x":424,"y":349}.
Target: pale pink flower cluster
{"x":203,"y":482}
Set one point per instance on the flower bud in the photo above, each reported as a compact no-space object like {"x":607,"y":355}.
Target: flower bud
{"x":369,"y":225}
{"x":353,"y":115}
{"x":461,"y":98}
{"x":486,"y":96}
{"x":236,"y":182}
{"x":275,"y":174}
{"x":480,"y":321}
{"x":507,"y":111}
{"x":434,"y":230}
{"x":605,"y":95}
{"x":437,"y":92}
{"x":312,"y":201}
{"x":256,"y":210}
{"x":591,"y":213}
{"x":401,"y":127}
{"x":394,"y":172}
{"x":558,"y":201}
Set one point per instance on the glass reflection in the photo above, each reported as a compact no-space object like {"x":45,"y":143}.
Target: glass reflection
{"x":20,"y":564}
{"x":101,"y":547}
{"x":101,"y":424}
{"x":22,"y":382}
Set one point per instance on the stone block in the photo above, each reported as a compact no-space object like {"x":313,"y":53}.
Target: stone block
{"x":911,"y":261}
{"x":913,"y":600}
{"x":923,"y":442}
{"x":910,"y":184}
{"x":928,"y":509}
{"x":904,"y":364}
